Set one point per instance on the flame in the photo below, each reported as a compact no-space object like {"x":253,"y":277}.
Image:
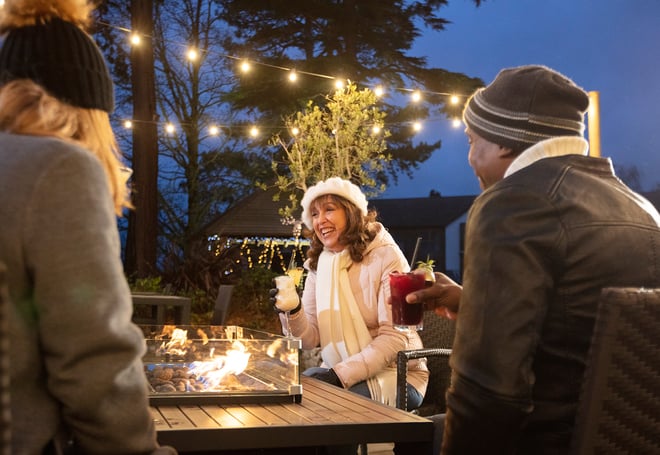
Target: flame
{"x":178,"y":344}
{"x":214,"y":371}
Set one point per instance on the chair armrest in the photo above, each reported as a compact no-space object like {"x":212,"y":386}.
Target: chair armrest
{"x":402,"y":359}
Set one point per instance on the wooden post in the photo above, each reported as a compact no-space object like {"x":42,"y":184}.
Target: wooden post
{"x":593,"y":116}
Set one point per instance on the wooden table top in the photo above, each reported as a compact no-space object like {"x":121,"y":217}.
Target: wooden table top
{"x":326,"y":415}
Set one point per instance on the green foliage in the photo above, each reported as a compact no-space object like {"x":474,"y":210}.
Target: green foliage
{"x":251,"y":290}
{"x":149,"y":284}
{"x":368,"y":41}
{"x":250,"y":302}
{"x":345,"y":137}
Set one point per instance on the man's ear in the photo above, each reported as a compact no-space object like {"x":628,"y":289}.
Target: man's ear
{"x":506,"y":152}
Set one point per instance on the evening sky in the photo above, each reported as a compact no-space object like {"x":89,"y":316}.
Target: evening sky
{"x":608,"y":46}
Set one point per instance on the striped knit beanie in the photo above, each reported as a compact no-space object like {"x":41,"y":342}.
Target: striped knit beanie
{"x":63,"y":59}
{"x":525,"y":105}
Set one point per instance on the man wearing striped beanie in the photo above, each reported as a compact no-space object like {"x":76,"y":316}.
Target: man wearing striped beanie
{"x":551,"y":228}
{"x":521,"y":108}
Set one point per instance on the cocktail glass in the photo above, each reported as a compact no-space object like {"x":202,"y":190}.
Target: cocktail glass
{"x":406,"y":316}
{"x":286,"y":299}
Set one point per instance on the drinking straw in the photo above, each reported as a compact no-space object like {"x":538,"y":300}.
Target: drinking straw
{"x":414,"y":256}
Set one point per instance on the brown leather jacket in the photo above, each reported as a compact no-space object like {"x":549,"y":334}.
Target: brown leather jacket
{"x":540,"y":246}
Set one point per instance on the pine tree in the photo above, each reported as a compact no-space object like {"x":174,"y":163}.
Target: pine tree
{"x":366,"y":41}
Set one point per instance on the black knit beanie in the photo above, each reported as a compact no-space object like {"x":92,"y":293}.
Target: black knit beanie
{"x":62,"y":58}
{"x":525,"y":105}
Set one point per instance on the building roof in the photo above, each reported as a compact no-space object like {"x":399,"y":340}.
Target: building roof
{"x":433,"y":211}
{"x":257,"y":215}
{"x":253,"y":216}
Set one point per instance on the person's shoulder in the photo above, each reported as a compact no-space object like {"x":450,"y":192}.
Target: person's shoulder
{"x":48,"y":160}
{"x":43,"y":147}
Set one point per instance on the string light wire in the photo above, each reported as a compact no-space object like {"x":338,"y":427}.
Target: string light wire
{"x":192,"y":54}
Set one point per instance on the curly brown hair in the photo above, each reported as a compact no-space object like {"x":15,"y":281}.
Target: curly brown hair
{"x":360,"y":230}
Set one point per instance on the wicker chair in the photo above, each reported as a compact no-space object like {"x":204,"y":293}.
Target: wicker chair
{"x":438,"y":338}
{"x":619,"y":410}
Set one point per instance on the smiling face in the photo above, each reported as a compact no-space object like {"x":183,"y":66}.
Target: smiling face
{"x":329,"y":221}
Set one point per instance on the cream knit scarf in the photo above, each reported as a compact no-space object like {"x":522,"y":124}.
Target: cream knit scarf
{"x":343,"y":331}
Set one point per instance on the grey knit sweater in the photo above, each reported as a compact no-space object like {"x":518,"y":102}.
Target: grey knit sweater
{"x":75,"y":355}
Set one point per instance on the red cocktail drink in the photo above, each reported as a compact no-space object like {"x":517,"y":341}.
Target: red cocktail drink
{"x":406,"y":316}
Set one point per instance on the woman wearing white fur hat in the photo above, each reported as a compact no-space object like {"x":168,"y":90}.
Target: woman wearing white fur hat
{"x":77,"y":379}
{"x":345,"y":298}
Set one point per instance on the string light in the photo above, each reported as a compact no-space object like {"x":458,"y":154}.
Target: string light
{"x":245,"y":66}
{"x":339,"y":84}
{"x":192,"y":54}
{"x":295,"y":131}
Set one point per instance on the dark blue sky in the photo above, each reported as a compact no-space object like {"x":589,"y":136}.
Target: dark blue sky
{"x":609,"y":46}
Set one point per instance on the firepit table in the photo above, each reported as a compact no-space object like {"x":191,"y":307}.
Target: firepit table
{"x":326,"y":415}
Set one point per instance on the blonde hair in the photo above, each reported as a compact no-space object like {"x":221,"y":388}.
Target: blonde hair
{"x":19,"y":13}
{"x":26,"y":108}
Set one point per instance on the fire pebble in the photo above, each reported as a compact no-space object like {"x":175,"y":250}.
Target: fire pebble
{"x":164,"y":373}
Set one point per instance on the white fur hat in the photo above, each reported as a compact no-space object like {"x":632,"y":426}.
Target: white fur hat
{"x":336,"y":186}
